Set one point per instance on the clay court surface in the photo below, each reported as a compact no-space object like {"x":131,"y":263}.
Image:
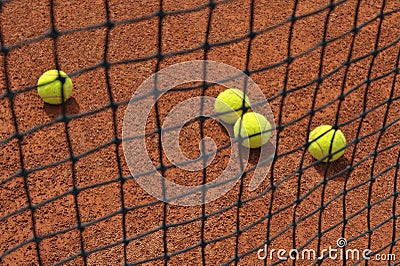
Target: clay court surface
{"x":44,"y":150}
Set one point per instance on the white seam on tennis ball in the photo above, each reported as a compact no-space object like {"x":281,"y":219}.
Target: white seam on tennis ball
{"x":343,"y":139}
{"x":320,"y":148}
{"x":330,"y":150}
{"x":265,"y":131}
{"x":241,"y":94}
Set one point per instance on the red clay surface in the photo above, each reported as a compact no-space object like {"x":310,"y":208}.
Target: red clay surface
{"x":97,"y":172}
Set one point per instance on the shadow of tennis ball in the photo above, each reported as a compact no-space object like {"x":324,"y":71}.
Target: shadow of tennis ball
{"x":337,"y":170}
{"x":53,"y":111}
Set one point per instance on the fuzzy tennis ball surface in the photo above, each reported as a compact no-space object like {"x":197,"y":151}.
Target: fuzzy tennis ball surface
{"x":254,"y":129}
{"x":49,"y":86}
{"x":228,"y":105}
{"x":321,"y":146}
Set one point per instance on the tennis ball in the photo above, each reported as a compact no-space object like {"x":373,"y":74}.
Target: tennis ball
{"x":228,"y":105}
{"x":50,"y":84}
{"x":320,"y":147}
{"x":253,"y":128}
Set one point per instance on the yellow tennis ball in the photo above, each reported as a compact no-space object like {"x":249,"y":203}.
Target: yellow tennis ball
{"x":321,"y":146}
{"x":254,"y":128}
{"x":49,"y":86}
{"x":228,"y":105}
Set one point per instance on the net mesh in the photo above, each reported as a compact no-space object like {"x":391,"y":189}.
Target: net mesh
{"x":382,"y":135}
